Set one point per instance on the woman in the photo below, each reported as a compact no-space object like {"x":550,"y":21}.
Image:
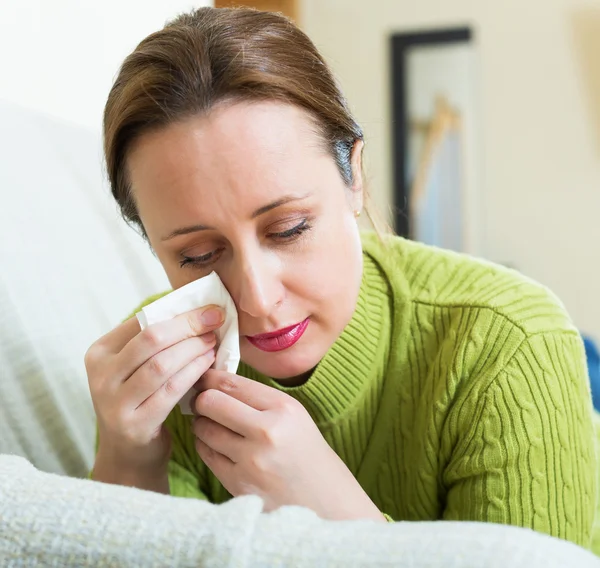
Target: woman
{"x":380,"y":378}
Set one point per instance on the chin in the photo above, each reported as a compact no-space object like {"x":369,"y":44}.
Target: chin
{"x":282,"y":365}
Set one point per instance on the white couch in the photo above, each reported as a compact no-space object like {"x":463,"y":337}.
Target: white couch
{"x":50,"y":520}
{"x":70,"y":270}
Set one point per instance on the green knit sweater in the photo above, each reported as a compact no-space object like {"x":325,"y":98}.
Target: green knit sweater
{"x":458,"y":391}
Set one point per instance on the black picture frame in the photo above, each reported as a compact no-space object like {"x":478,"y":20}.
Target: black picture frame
{"x":401,"y":43}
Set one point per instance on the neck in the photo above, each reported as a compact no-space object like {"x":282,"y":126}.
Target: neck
{"x":295,"y":381}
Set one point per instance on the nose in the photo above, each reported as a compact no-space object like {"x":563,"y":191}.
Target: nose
{"x":259,"y":290}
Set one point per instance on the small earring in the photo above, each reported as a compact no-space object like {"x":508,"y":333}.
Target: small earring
{"x":357,"y":214}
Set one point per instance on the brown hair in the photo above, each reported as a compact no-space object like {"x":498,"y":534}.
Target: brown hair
{"x":211,"y":55}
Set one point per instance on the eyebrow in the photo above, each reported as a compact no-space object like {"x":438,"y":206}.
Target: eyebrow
{"x":260,"y":211}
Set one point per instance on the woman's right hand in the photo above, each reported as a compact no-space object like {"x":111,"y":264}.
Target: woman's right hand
{"x":136,"y":378}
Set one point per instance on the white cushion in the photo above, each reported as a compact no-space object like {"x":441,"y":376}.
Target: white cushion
{"x":70,"y":270}
{"x":48,"y":520}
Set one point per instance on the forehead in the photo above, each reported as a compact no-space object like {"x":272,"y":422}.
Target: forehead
{"x":231,"y":138}
{"x":238,"y":156}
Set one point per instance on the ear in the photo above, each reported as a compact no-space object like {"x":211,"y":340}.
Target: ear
{"x":357,"y":177}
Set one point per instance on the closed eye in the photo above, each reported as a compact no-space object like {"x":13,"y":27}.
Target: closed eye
{"x":292,"y":233}
{"x":284,"y":237}
{"x":203,"y":260}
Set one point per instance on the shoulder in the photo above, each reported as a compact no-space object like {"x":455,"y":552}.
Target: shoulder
{"x":443,"y":279}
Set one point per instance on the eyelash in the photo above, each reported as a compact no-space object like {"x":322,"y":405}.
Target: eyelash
{"x":293,"y":232}
{"x":290,"y":235}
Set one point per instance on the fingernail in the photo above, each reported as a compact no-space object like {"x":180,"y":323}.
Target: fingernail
{"x":212,"y":316}
{"x":209,"y":338}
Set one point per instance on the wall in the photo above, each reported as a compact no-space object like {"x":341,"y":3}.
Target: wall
{"x":539,"y":99}
{"x":60,"y":57}
{"x":539,"y":106}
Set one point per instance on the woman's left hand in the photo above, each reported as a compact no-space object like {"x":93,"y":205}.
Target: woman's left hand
{"x":258,"y":440}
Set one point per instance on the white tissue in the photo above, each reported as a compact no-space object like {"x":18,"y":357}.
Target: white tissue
{"x":203,"y":292}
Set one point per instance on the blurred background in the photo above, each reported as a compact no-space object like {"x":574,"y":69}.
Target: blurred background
{"x":482,"y":123}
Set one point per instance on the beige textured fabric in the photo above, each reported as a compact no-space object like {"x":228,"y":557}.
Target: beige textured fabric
{"x":49,"y":520}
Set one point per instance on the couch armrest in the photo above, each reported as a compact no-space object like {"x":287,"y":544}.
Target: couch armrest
{"x":47,"y":519}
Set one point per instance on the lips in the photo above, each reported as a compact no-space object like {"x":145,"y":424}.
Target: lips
{"x":280,"y":339}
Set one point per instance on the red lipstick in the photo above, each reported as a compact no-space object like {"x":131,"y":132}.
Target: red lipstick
{"x":279,"y":340}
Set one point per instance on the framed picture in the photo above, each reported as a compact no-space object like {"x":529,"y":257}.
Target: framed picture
{"x":435,"y":137}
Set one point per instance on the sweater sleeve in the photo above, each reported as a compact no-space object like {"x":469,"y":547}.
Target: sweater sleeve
{"x":187,"y":475}
{"x":525,"y":445}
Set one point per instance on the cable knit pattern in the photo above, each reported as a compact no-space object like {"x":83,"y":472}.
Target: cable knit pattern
{"x":458,"y":391}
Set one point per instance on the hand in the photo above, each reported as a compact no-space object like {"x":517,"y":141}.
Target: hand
{"x":136,"y":378}
{"x":258,"y":440}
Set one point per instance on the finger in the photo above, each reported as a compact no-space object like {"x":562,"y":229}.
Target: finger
{"x":219,"y":464}
{"x":227,"y":411}
{"x":252,"y":393}
{"x":116,"y":339}
{"x":155,"y":372}
{"x":161,"y":403}
{"x":162,"y":335}
{"x":220,"y":439}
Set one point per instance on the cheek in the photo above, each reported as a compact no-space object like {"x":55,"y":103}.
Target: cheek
{"x":176,"y":275}
{"x":330,"y":273}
